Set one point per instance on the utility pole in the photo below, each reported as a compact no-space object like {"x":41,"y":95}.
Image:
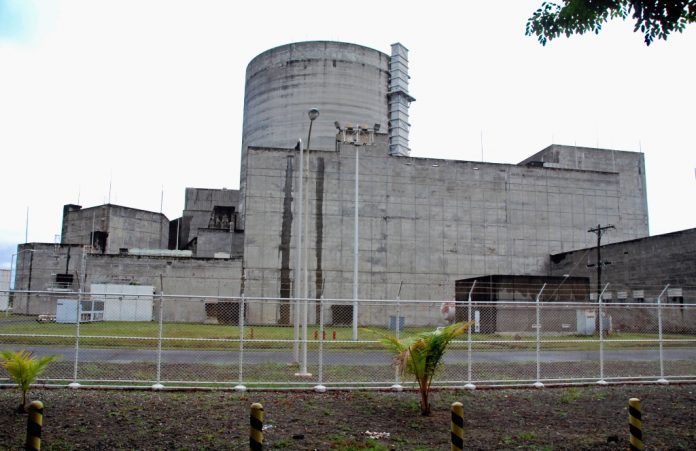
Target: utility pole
{"x":599,"y":230}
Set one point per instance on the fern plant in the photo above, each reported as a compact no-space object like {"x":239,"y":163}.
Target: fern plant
{"x":24,"y":368}
{"x":421,"y":355}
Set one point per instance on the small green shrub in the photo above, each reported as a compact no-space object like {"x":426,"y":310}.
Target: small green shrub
{"x":570,"y":395}
{"x":420,"y":355}
{"x":24,"y":368}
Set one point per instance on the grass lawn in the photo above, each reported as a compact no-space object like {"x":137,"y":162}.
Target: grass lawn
{"x":16,"y":329}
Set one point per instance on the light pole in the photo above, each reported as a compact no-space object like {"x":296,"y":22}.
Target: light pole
{"x":302,"y":244}
{"x":357,"y":136}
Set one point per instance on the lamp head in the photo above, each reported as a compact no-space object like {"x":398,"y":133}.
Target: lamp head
{"x":313,"y":114}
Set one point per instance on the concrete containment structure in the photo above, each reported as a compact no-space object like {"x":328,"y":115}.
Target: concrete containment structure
{"x":346,"y":82}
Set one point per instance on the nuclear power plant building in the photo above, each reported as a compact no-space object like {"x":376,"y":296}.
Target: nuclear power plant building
{"x":422,"y":223}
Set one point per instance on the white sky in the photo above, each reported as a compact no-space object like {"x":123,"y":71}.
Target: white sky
{"x":149,"y":94}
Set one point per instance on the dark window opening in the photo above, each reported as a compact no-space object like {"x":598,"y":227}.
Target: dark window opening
{"x":64,"y":280}
{"x":97,"y":240}
{"x":222,"y":218}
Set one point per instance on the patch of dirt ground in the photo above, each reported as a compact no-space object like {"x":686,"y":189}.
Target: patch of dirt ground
{"x":552,"y":418}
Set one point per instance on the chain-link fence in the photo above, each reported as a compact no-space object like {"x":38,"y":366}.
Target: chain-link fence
{"x":142,"y":339}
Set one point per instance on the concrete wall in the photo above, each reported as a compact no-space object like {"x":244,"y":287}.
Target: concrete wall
{"x":630,"y":168}
{"x":126,"y":227}
{"x":191,"y":278}
{"x":212,"y":241}
{"x":4,"y":287}
{"x":646,"y":264}
{"x":198,"y":208}
{"x":425,"y":222}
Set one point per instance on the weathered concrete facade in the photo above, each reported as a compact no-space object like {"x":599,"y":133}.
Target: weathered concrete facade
{"x":110,"y":228}
{"x":427,"y":222}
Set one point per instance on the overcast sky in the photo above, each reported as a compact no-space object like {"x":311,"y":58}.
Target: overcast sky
{"x":147,"y":96}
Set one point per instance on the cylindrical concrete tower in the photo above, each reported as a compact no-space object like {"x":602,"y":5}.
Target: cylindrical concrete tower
{"x":348,"y":83}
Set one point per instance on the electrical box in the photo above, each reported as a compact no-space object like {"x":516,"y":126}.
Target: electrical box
{"x":66,"y":311}
{"x":586,"y":321}
{"x":124,"y":302}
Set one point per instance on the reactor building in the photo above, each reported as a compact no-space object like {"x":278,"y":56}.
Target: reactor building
{"x":422,"y":223}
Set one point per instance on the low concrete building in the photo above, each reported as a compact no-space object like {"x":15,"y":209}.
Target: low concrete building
{"x":637,"y":272}
{"x":109,"y":228}
{"x":111,"y":244}
{"x":495,"y":298}
{"x":196,"y":281}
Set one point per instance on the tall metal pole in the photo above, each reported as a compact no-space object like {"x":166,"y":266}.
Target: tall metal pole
{"x":313,"y":114}
{"x":298,"y":263}
{"x":305,"y":277}
{"x":356,"y":248}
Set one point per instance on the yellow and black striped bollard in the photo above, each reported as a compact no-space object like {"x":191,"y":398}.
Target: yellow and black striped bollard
{"x":34,"y":424}
{"x":457,"y":426}
{"x":256,"y":430}
{"x":635,"y":424}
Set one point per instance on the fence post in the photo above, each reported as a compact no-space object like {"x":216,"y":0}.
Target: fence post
{"x":78,"y":310}
{"x":34,"y":425}
{"x":601,"y":380}
{"x":256,"y":427}
{"x":635,"y":424}
{"x":538,"y":383}
{"x":469,"y":385}
{"x":662,"y":379}
{"x":83,"y":270}
{"x":320,"y":388}
{"x":158,"y":385}
{"x":240,"y":386}
{"x":397,"y":379}
{"x":457,"y":428}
